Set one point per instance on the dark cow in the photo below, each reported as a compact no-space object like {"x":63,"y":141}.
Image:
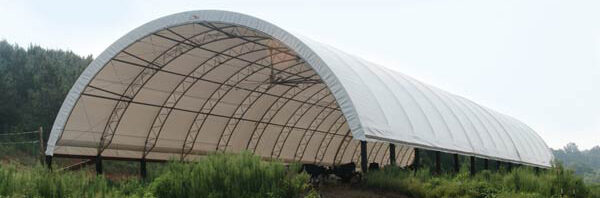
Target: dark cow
{"x":345,"y":171}
{"x":373,"y":166}
{"x":315,"y":171}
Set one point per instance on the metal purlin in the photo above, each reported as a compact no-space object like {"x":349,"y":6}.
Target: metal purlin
{"x":385,"y":153}
{"x":212,"y":26}
{"x":355,"y":154}
{"x":182,"y":88}
{"x":243,"y":108}
{"x":321,"y":151}
{"x":230,"y":126}
{"x":139,"y":81}
{"x":165,"y":103}
{"x":277,"y":104}
{"x":372,"y":157}
{"x":220,"y":92}
{"x":210,"y":81}
{"x":314,"y":124}
{"x":294,"y":118}
{"x":234,"y":57}
{"x":206,"y":68}
{"x":384,"y":147}
{"x":345,"y":142}
{"x":270,"y":115}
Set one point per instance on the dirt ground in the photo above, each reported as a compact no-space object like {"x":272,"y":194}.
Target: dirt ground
{"x":347,"y":191}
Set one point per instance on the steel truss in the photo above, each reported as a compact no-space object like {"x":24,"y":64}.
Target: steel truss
{"x":296,"y":76}
{"x":142,"y":78}
{"x":294,"y":118}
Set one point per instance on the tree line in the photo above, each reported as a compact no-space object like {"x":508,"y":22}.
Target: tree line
{"x":583,"y":162}
{"x":33,"y":84}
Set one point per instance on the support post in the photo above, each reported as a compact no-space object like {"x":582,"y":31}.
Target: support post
{"x":49,"y":162}
{"x":416,"y":161}
{"x":392,"y":154}
{"x":486,"y":164}
{"x":537,"y":170}
{"x":498,"y":165}
{"x":99,"y":165}
{"x":438,"y":163}
{"x":364,"y":160}
{"x":456,"y":163}
{"x":509,"y":166}
{"x":473,"y":171}
{"x":143,"y":170}
{"x":41,"y":140}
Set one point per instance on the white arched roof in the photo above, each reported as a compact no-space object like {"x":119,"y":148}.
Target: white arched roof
{"x":202,"y":81}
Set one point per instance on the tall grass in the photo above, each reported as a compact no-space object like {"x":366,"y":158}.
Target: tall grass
{"x":520,"y":182}
{"x":38,"y":182}
{"x":243,"y":175}
{"x":218,"y":175}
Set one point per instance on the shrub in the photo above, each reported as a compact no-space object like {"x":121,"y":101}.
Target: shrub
{"x":218,"y":175}
{"x":226,"y":175}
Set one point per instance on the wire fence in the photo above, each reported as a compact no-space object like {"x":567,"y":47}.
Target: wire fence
{"x":18,"y":133}
{"x":22,"y":140}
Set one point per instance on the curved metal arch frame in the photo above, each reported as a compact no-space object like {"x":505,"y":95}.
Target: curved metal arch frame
{"x":244,"y":107}
{"x":345,"y":142}
{"x":316,"y":123}
{"x":300,"y":111}
{"x":62,"y":119}
{"x":217,"y":63}
{"x":338,"y":124}
{"x":121,"y":107}
{"x":220,"y":97}
{"x":270,"y":112}
{"x":270,"y":115}
{"x":381,"y":145}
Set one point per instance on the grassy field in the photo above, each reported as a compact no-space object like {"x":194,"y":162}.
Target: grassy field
{"x":245,"y":175}
{"x":519,"y":182}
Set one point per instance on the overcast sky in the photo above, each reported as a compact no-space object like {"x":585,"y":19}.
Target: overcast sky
{"x":538,"y":61}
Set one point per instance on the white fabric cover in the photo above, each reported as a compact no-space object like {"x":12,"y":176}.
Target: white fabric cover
{"x":378,"y":104}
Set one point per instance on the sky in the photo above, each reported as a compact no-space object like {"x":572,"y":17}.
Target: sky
{"x":536,"y":60}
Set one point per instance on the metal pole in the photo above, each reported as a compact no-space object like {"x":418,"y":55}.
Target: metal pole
{"x":472,"y":165}
{"x":49,"y":161}
{"x":498,"y":165}
{"x":364,"y":161}
{"x":416,"y":161}
{"x":98,"y":164}
{"x":392,"y":154}
{"x":143,"y":171}
{"x":438,"y":163}
{"x":456,"y":163}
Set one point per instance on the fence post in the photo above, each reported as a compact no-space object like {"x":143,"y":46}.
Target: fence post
{"x":41,"y":136}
